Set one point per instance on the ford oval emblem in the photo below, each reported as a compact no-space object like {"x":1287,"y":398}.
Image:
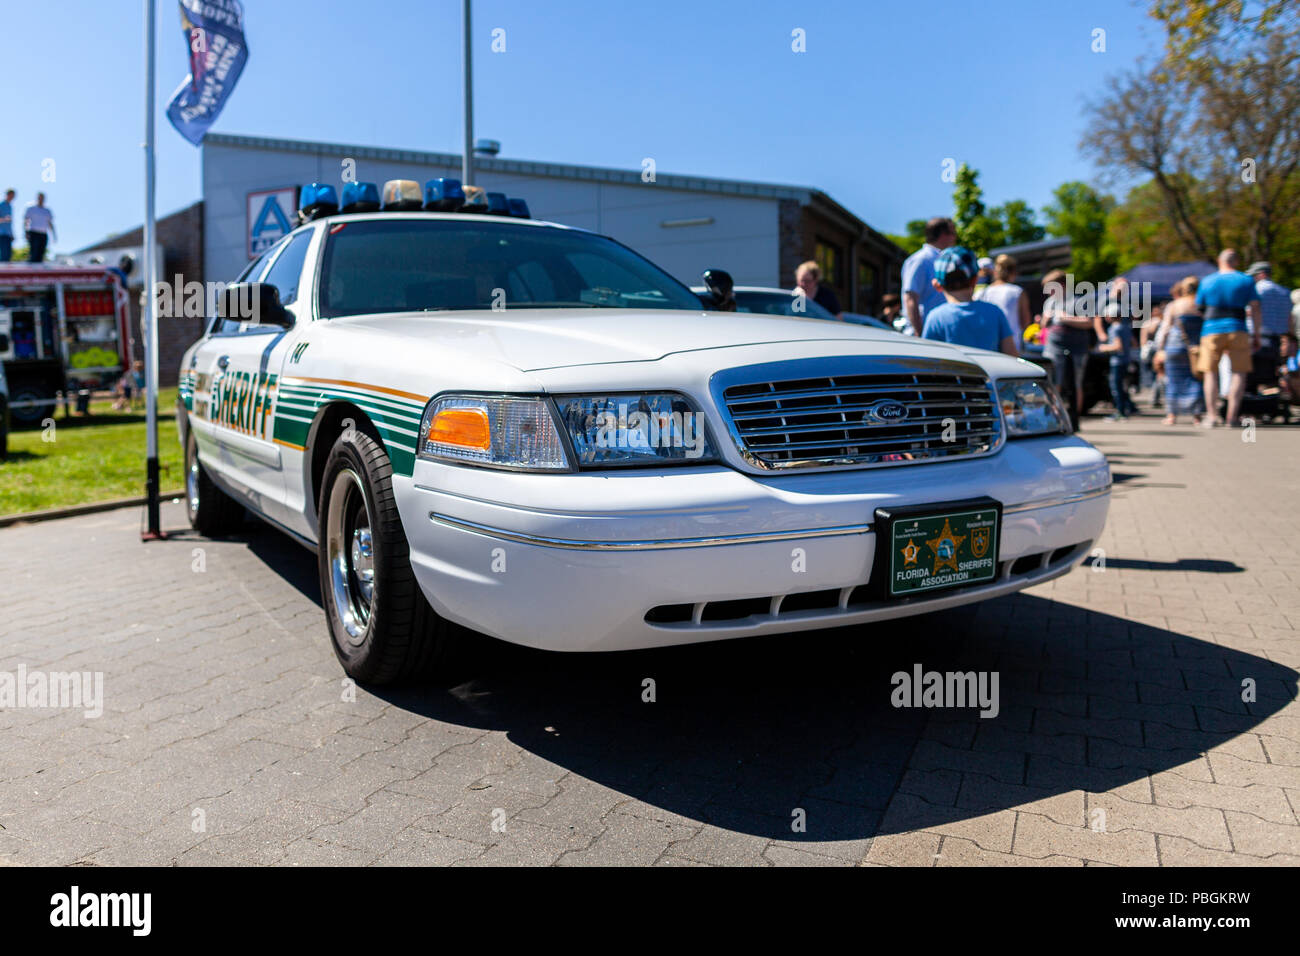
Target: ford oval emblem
{"x":885,"y":412}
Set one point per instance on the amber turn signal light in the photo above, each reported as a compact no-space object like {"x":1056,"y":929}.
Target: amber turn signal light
{"x":462,"y":427}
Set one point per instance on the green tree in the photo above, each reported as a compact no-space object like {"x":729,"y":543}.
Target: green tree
{"x":1079,"y":212}
{"x":1138,"y":232}
{"x":1203,"y":35}
{"x":1215,"y":127}
{"x":1018,"y":222}
{"x":976,"y":229}
{"x":914,"y":238}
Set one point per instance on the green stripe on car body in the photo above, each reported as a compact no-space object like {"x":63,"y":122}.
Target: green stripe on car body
{"x":397,"y":420}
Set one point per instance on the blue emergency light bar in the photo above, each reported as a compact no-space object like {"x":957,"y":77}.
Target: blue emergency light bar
{"x":316,"y":200}
{"x":360,"y":197}
{"x":443,"y":194}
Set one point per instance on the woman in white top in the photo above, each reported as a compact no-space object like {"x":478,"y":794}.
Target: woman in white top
{"x":1006,"y":295}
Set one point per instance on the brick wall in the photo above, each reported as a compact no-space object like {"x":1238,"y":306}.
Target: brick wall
{"x":181,"y":237}
{"x":790,"y":239}
{"x":799,"y":229}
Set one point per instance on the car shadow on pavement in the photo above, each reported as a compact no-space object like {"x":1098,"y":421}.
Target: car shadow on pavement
{"x":1200,"y":565}
{"x":1132,"y":480}
{"x":1184,"y":430}
{"x":754,"y":734}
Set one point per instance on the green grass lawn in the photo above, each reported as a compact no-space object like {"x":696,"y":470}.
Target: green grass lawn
{"x":91,"y":459}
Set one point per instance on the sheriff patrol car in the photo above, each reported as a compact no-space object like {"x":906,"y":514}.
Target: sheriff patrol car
{"x":483,"y":422}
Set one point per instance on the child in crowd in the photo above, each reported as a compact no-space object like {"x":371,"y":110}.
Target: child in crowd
{"x":1118,"y":335}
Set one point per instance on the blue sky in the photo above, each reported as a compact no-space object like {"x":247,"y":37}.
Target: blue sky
{"x":883,"y":94}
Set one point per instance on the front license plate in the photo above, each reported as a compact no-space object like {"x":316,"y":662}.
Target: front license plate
{"x":938,"y":547}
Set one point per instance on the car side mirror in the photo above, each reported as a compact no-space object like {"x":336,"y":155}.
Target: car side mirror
{"x":256,"y":302}
{"x":721,"y":289}
{"x":4,"y":342}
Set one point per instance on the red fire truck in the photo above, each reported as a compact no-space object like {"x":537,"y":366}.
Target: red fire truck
{"x":62,"y":329}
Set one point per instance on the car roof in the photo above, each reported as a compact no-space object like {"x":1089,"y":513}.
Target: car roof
{"x":749,"y":288}
{"x":452,"y":216}
{"x":761,"y":288}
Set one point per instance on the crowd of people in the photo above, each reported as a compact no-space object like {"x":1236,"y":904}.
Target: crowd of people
{"x":1215,"y":335}
{"x":38,"y":225}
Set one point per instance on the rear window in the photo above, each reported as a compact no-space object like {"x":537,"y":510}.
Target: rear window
{"x":779,"y":303}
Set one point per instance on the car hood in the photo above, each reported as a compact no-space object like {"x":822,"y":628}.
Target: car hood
{"x":582,"y":349}
{"x":536,"y":340}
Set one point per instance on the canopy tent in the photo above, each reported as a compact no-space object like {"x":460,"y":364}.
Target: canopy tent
{"x":1163,"y":275}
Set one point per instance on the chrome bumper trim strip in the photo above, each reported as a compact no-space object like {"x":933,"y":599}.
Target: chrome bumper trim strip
{"x":761,"y":537}
{"x":1054,"y":501}
{"x":659,"y":545}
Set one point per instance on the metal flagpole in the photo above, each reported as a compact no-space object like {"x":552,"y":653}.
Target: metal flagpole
{"x":150,"y":279}
{"x":467,"y":164}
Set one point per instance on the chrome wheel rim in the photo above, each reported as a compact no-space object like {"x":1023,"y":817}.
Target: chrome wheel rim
{"x":350,"y":553}
{"x":363,"y":562}
{"x":192,"y":485}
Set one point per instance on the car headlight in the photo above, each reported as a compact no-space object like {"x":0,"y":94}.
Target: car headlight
{"x":1032,"y":406}
{"x":496,"y":431}
{"x":652,"y":428}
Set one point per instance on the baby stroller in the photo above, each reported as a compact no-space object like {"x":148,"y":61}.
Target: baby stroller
{"x":1263,"y":400}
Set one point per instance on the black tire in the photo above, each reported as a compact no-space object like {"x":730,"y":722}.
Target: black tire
{"x":382,"y":628}
{"x":35,"y":403}
{"x":213,"y":513}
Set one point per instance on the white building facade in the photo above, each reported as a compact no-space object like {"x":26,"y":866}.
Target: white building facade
{"x":758,"y":232}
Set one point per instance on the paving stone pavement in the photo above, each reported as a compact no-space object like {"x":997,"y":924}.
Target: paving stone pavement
{"x":228,"y":735}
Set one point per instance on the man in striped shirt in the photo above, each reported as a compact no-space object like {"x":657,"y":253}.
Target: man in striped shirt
{"x":1274,"y":305}
{"x":1275,"y":317}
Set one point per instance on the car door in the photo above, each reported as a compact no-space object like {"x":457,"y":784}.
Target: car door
{"x":240,"y":363}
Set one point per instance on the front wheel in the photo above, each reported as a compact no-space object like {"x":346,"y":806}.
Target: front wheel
{"x":213,"y":513}
{"x":382,"y":628}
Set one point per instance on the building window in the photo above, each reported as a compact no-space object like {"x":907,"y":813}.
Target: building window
{"x":868,"y":287}
{"x":828,"y":260}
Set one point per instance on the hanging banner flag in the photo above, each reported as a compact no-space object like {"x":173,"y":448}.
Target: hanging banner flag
{"x":214,"y":31}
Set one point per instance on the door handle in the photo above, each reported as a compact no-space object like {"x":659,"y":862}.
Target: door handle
{"x":223,"y":361}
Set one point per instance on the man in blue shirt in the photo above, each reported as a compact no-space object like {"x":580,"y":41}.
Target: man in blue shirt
{"x":7,"y":226}
{"x":1227,"y":299}
{"x":919,"y":295}
{"x":961,"y":321}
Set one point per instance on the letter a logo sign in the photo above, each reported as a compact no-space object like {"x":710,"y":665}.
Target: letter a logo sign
{"x":270,"y":216}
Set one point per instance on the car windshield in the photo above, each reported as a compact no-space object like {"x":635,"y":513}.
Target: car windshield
{"x":433,"y":265}
{"x":779,"y":303}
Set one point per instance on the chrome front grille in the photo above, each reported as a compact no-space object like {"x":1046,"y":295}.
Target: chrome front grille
{"x":868,"y":411}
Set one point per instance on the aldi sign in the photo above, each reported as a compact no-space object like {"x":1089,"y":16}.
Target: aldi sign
{"x":271,"y":215}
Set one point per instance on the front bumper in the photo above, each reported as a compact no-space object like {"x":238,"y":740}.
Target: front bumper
{"x":579,"y":562}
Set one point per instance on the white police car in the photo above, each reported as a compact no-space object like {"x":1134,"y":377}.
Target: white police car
{"x":764,"y":299}
{"x":528,"y":430}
